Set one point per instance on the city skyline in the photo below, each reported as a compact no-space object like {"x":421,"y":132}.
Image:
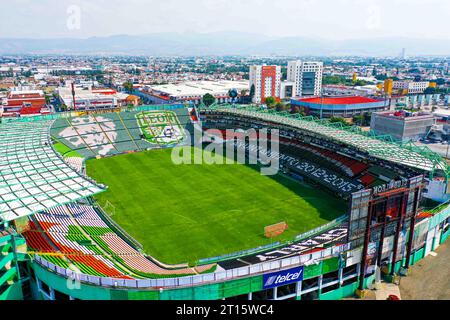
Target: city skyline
{"x":286,"y":18}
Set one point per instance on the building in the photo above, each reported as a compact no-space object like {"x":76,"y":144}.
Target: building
{"x":287,"y":89}
{"x":401,"y":125}
{"x":191,"y":91}
{"x":418,"y":100}
{"x":327,"y":107}
{"x":388,"y":86}
{"x":24,"y":102}
{"x":307,"y":76}
{"x":411,"y":87}
{"x":403,"y":54}
{"x":266,"y":81}
{"x":86,"y":99}
{"x":342,"y":90}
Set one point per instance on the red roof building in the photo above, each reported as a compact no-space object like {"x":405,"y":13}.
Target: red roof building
{"x":28,"y":102}
{"x":342,"y":106}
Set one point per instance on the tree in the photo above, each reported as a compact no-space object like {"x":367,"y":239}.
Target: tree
{"x":339,"y":119}
{"x":358,"y":120}
{"x":367,"y":118}
{"x":295,"y":109}
{"x":280,"y":107}
{"x":128,"y":85}
{"x":27,"y":74}
{"x":430,"y":90}
{"x":208,"y":99}
{"x":270,"y":101}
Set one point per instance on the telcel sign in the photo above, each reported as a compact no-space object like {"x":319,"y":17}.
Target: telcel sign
{"x":280,"y":278}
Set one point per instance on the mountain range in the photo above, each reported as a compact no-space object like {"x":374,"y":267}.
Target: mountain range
{"x":224,"y":43}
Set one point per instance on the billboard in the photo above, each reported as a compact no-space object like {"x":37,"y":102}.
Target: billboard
{"x":280,"y":278}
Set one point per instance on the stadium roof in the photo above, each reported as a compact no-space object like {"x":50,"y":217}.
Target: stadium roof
{"x":382,"y":147}
{"x":338,"y":100}
{"x":33,"y":177}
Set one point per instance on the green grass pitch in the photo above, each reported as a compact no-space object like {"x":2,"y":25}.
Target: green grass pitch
{"x":182,"y":213}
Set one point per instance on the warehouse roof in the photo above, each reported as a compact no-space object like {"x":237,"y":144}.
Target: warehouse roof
{"x":200,"y":88}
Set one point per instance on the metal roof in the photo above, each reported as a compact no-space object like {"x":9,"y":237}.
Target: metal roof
{"x":33,"y":177}
{"x":382,"y":147}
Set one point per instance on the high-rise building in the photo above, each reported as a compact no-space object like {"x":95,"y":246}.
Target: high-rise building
{"x":403,"y":54}
{"x":307,"y":76}
{"x":266,"y":81}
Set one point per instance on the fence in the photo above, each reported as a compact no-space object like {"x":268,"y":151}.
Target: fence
{"x":197,"y":279}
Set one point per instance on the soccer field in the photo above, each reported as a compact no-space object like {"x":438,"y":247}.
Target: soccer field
{"x":182,"y":213}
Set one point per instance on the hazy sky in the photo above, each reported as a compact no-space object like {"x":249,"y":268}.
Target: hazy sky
{"x":334,"y":19}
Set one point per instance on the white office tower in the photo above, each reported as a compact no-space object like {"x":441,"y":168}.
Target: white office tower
{"x":307,"y":77}
{"x":267,"y":82}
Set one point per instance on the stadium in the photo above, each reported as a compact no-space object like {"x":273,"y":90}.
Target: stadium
{"x":340,"y":106}
{"x":93,"y":207}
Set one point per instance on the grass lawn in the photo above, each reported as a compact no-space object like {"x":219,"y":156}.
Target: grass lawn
{"x":182,"y":213}
{"x":65,"y":151}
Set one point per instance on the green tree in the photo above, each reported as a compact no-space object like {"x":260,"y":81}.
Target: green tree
{"x":270,"y":101}
{"x":280,"y":107}
{"x":208,"y":99}
{"x":367,"y":117}
{"x":340,"y":120}
{"x":27,"y":74}
{"x":358,"y":120}
{"x":128,"y":85}
{"x":430,"y":90}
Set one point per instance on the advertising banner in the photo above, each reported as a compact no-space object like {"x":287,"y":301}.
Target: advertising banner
{"x":371,"y":258}
{"x":275,"y":279}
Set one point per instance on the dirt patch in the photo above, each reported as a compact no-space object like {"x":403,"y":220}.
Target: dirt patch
{"x":429,"y":279}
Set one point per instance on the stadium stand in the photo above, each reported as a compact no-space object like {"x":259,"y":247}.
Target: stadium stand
{"x":114,"y":133}
{"x":75,"y":162}
{"x":316,"y":151}
{"x":301,"y":160}
{"x":79,"y":234}
{"x":367,"y":179}
{"x":342,"y":163}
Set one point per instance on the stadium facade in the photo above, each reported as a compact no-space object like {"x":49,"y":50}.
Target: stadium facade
{"x":56,"y":243}
{"x":327,"y":107}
